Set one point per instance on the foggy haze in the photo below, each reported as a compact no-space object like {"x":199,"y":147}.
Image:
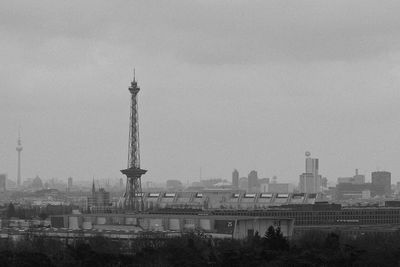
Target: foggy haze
{"x":224,"y":85}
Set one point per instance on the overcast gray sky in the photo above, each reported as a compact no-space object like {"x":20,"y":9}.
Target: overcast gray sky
{"x":225,"y":84}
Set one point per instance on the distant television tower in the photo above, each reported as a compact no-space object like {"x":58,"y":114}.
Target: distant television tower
{"x":133,"y":197}
{"x":19,"y":149}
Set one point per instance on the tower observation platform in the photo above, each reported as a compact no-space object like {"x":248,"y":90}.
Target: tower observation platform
{"x":133,"y":196}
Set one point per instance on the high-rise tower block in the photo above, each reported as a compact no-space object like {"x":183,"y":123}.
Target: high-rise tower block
{"x":133,"y":199}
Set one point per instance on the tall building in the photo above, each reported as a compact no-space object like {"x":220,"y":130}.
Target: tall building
{"x":356,"y":179}
{"x":19,"y":150}
{"x":133,"y":197}
{"x":252,"y":181}
{"x":359,"y":178}
{"x":99,"y":201}
{"x":69,"y":183}
{"x":3,"y":179}
{"x":311,"y":164}
{"x":235,"y":178}
{"x":358,"y":191}
{"x":310,"y":180}
{"x":382,"y":178}
{"x":37,"y":183}
{"x":307,"y":183}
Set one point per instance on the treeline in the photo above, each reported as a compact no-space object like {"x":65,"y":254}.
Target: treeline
{"x":269,"y":249}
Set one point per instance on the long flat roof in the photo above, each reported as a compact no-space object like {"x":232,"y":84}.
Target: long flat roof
{"x":178,"y":216}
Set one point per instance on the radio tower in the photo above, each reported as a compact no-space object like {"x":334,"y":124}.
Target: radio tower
{"x":19,"y":149}
{"x":133,"y":199}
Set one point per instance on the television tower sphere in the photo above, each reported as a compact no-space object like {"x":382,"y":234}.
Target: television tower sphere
{"x":308,"y":153}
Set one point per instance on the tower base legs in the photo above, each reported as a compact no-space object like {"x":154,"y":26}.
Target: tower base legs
{"x":133,"y":197}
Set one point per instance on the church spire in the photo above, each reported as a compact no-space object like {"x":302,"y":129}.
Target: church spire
{"x":93,"y":187}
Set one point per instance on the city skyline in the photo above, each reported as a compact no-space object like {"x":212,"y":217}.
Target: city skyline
{"x":255,"y":105}
{"x":240,"y":133}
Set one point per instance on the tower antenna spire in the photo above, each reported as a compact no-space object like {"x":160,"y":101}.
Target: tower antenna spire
{"x":134,"y":75}
{"x":19,"y":149}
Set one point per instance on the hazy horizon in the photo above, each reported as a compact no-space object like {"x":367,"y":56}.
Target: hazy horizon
{"x":224,"y":85}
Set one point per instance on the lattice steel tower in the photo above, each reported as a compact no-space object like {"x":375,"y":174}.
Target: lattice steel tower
{"x":133,"y":197}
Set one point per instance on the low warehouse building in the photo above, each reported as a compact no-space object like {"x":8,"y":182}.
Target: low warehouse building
{"x":237,"y":227}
